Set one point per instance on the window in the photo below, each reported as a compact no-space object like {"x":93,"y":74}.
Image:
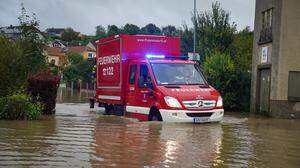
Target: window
{"x":177,"y":74}
{"x":90,"y":55}
{"x":266,"y":27}
{"x":293,"y":86}
{"x":267,"y":18}
{"x":132,"y":74}
{"x":144,"y":77}
{"x":144,"y":72}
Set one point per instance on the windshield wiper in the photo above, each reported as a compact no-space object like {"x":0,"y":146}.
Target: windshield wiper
{"x":172,"y":86}
{"x":203,"y":85}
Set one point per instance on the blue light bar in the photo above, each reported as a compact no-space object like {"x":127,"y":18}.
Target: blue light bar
{"x":149,"y":56}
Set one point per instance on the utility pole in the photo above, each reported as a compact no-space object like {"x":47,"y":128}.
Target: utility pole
{"x":194,"y":51}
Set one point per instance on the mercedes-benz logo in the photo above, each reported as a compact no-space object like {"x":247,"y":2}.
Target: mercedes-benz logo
{"x":200,"y":103}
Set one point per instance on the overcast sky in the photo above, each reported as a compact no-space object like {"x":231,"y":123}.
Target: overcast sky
{"x":85,"y":15}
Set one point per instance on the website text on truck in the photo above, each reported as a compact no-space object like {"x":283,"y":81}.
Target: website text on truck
{"x":145,"y":77}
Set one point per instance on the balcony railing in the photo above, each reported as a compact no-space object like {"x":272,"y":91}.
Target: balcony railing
{"x":265,"y":35}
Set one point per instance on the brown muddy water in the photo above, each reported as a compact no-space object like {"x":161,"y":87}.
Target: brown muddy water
{"x":79,"y":137}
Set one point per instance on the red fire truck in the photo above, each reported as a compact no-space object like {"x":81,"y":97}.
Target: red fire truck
{"x":145,"y":77}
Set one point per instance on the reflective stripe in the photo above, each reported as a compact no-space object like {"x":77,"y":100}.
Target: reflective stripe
{"x":109,"y":97}
{"x":138,"y":109}
{"x":108,"y":87}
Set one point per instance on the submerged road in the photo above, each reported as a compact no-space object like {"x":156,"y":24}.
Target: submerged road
{"x":79,"y":137}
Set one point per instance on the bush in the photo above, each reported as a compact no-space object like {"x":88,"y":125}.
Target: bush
{"x":220,"y":70}
{"x":12,"y":68}
{"x":19,"y":106}
{"x":43,"y":87}
{"x":34,"y":110}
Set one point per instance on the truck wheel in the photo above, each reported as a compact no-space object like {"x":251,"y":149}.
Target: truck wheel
{"x":109,"y":109}
{"x":154,"y":115}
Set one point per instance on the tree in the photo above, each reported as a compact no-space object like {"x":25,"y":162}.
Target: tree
{"x":242,"y":52}
{"x":69,"y":34}
{"x":78,"y":68}
{"x":74,"y":58}
{"x":151,"y":29}
{"x":112,"y":30}
{"x":12,"y":68}
{"x":242,"y":49}
{"x":214,"y":31}
{"x":32,"y":42}
{"x":170,"y":31}
{"x":71,"y":73}
{"x":20,"y":58}
{"x":186,"y":40}
{"x":131,"y":29}
{"x":220,"y":69}
{"x":100,"y":30}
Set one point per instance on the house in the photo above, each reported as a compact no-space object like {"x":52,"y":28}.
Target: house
{"x":55,"y":32}
{"x":275,"y":85}
{"x":14,"y":32}
{"x":86,"y":51}
{"x":56,"y":55}
{"x":92,"y":44}
{"x":56,"y":43}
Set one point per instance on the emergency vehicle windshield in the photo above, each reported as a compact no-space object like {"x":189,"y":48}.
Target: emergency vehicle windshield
{"x":177,"y":74}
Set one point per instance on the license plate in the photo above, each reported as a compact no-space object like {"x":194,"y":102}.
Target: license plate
{"x":201,"y":119}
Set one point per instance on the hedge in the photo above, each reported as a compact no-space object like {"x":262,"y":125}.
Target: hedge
{"x":43,"y":87}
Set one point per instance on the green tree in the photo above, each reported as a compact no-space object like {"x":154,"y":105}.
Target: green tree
{"x":186,"y":36}
{"x":78,"y":68}
{"x":214,"y":31}
{"x":220,"y":69}
{"x":74,"y":58}
{"x":12,"y":68}
{"x":69,"y":34}
{"x":113,"y":30}
{"x":71,"y":73}
{"x":151,"y":29}
{"x":131,"y":29}
{"x":242,"y":51}
{"x":170,"y":31}
{"x":21,"y":57}
{"x":100,"y":33}
{"x":32,"y":42}
{"x":100,"y":30}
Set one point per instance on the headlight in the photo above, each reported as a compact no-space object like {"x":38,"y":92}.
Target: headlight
{"x":172,"y":102}
{"x":220,"y":102}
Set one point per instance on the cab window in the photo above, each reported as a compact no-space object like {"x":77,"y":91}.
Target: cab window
{"x":144,"y":77}
{"x":132,"y":74}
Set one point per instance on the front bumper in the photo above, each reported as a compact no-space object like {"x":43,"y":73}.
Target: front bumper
{"x":181,"y":115}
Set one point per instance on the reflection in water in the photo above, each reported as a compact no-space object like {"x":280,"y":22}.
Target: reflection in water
{"x":79,"y":137}
{"x":67,"y":95}
{"x":136,"y":144}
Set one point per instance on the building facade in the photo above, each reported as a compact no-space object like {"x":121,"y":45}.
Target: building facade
{"x":56,"y":56}
{"x":14,"y":32}
{"x":275,"y":82}
{"x":55,"y":32}
{"x":86,"y":51}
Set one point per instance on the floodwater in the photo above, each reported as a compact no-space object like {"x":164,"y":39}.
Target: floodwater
{"x":79,"y":137}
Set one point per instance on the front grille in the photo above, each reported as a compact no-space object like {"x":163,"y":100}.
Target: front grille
{"x":199,"y":114}
{"x":199,"y":104}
